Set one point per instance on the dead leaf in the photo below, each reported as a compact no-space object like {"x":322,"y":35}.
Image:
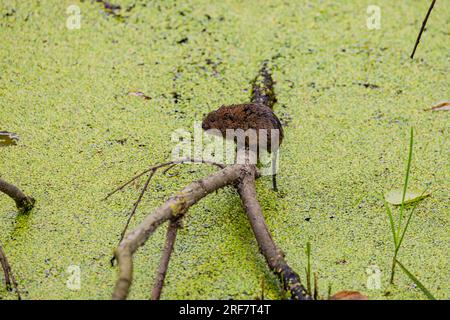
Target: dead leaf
{"x":348,"y":295}
{"x":139,"y":94}
{"x":441,"y":106}
{"x":395,"y":196}
{"x":8,"y":138}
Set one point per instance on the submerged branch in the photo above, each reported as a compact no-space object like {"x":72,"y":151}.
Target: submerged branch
{"x":263,"y":88}
{"x":10,"y":280}
{"x":273,"y":255}
{"x":165,"y":257}
{"x":23,"y":202}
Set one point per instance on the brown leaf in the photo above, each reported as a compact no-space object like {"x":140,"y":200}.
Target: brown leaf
{"x":348,"y":295}
{"x":441,"y":106}
{"x":8,"y":138}
{"x":139,"y":94}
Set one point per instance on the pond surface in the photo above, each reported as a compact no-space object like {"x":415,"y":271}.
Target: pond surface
{"x":346,"y":94}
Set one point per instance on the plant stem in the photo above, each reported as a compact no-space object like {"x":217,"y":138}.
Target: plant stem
{"x":398,"y":236}
{"x":405,"y":186}
{"x":424,"y":23}
{"x":308,"y":268}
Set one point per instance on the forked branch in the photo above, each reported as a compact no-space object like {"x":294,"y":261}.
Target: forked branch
{"x":152,"y":170}
{"x":174,"y":208}
{"x":242,"y":176}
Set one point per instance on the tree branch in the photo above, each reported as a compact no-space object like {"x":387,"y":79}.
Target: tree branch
{"x":169,"y":164}
{"x":164,"y":263}
{"x":174,"y":208}
{"x":23,"y":202}
{"x":10,"y":280}
{"x":274,"y":256}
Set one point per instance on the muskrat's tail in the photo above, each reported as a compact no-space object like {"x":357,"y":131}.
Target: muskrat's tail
{"x":263,"y":87}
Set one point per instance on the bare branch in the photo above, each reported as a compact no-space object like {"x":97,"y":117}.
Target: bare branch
{"x":274,"y":256}
{"x":174,"y":208}
{"x":242,"y":176}
{"x":10,"y":280}
{"x":165,"y":257}
{"x":23,"y":202}
{"x":136,"y":204}
{"x":154,"y":168}
{"x":152,"y":171}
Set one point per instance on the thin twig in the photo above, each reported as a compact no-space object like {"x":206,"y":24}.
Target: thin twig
{"x":133,"y":211}
{"x":152,"y":171}
{"x":9,"y":276}
{"x":424,"y":23}
{"x":165,"y":164}
{"x":6,"y":268}
{"x":169,"y":167}
{"x":136,"y":204}
{"x":165,"y":257}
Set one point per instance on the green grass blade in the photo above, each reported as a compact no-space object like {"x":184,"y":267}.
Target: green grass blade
{"x":406,"y":228}
{"x":416,"y":281}
{"x":308,"y":268}
{"x":391,"y":222}
{"x":407,"y":223}
{"x":405,"y":185}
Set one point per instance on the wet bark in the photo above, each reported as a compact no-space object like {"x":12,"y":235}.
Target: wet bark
{"x":23,"y":202}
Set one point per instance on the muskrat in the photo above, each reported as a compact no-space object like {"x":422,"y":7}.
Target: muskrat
{"x":248,"y":116}
{"x":255,"y":115}
{"x":245,"y":116}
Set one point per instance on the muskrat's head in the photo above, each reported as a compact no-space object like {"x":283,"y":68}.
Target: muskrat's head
{"x":221,"y":119}
{"x":211,"y":121}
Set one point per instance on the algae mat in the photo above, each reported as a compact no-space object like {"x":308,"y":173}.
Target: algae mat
{"x":346,"y":93}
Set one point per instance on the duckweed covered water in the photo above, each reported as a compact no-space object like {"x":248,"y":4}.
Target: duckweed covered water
{"x":347,"y":95}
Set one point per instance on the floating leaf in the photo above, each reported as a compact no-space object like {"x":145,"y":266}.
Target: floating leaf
{"x":395,"y":196}
{"x":8,"y":138}
{"x":348,"y":295}
{"x":441,"y":106}
{"x":139,"y":94}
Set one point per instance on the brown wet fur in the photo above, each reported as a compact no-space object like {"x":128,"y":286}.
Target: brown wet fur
{"x":244,"y":116}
